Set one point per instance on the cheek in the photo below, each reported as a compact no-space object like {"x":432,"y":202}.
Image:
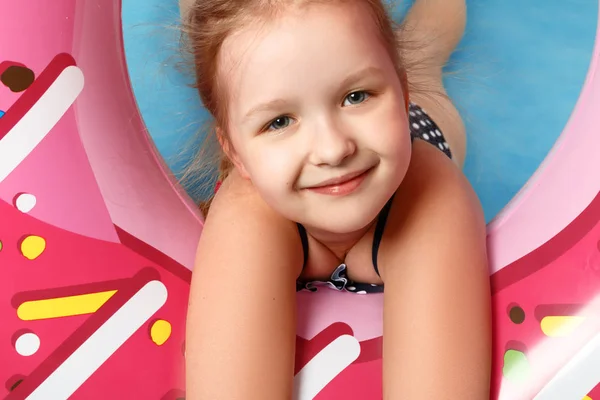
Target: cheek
{"x":271,"y":169}
{"x":395,"y":141}
{"x":393,"y":138}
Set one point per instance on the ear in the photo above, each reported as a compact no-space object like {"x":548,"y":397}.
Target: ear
{"x":230,"y":153}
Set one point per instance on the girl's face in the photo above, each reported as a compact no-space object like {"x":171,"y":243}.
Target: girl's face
{"x":317,"y":115}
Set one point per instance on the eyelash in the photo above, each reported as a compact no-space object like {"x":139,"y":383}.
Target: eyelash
{"x":367,"y":93}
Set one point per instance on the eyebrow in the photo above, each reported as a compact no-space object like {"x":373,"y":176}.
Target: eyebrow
{"x":349,"y":80}
{"x":269,"y":105}
{"x":361,"y":74}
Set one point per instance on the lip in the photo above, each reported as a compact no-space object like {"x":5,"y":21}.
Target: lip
{"x":343,"y":185}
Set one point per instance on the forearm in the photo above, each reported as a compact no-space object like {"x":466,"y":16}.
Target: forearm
{"x":246,"y":353}
{"x":421,"y":359}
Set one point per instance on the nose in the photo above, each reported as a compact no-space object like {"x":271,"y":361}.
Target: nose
{"x":332,"y":145}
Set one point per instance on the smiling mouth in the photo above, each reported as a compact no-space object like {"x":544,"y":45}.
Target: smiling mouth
{"x":341,"y":180}
{"x":343,"y":185}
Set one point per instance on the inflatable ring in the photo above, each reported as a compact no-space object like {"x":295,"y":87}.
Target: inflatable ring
{"x":97,"y":242}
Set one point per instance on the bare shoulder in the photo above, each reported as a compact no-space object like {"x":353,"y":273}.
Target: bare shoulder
{"x":241,"y":225}
{"x":434,"y":208}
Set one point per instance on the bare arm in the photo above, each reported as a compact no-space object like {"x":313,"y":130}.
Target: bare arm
{"x":241,"y":318}
{"x":437,"y":329}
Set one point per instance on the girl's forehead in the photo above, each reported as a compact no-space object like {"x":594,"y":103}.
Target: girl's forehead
{"x":295,"y":26}
{"x":298,"y":43}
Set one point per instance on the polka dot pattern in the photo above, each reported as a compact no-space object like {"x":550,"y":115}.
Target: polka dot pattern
{"x":340,"y":281}
{"x":424,"y":128}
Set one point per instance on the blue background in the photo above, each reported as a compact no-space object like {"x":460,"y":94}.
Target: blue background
{"x":515,"y":78}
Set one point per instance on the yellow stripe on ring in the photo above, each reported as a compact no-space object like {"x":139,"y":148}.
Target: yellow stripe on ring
{"x":63,"y":306}
{"x":554,"y":326}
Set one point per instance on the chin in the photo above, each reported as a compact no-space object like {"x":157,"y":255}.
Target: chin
{"x":351,"y":214}
{"x":342,"y":222}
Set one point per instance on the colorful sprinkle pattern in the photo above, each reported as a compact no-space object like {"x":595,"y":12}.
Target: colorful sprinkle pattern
{"x":59,"y":288}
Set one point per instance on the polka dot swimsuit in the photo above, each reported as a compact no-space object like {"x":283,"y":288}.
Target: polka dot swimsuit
{"x":421,"y":127}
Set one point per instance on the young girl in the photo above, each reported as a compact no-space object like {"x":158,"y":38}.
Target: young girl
{"x":322,"y":181}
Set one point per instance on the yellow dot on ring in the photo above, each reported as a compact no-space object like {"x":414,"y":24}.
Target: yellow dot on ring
{"x":160,"y":331}
{"x":33,"y":246}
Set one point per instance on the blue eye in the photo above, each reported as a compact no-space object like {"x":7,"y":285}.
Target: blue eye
{"x":356,"y":98}
{"x":279,"y":123}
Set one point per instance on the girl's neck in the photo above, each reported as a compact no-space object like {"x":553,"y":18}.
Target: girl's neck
{"x":339,"y":244}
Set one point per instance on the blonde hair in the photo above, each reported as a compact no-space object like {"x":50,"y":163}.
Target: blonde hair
{"x":207,"y":23}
